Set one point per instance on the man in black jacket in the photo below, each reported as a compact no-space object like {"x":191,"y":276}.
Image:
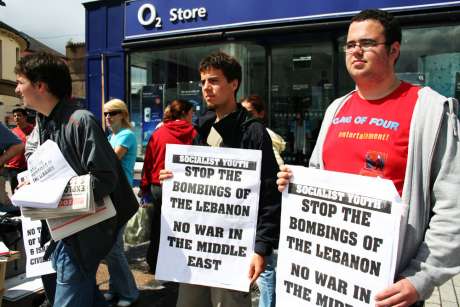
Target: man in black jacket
{"x":44,"y":84}
{"x":230,"y":125}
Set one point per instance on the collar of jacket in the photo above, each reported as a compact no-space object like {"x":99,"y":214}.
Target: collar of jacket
{"x":230,"y":128}
{"x":59,"y":111}
{"x":60,"y":114}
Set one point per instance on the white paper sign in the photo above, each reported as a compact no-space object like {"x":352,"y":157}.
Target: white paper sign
{"x":49,"y":173}
{"x":35,"y":264}
{"x":339,"y":239}
{"x":209,"y":216}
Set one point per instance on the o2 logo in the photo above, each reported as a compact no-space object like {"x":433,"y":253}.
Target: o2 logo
{"x":149,"y":10}
{"x":147,"y":15}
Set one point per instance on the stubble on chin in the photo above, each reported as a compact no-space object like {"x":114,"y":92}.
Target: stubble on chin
{"x":210,"y":106}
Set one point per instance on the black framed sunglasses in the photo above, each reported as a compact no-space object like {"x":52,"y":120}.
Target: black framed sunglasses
{"x":111,"y":113}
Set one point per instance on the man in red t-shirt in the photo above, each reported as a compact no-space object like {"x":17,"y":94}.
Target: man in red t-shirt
{"x":18,"y":163}
{"x":395,"y":130}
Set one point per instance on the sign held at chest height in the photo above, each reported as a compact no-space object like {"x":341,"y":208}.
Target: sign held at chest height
{"x":339,"y":239}
{"x":209,"y":215}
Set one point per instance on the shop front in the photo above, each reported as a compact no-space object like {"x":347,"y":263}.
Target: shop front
{"x":147,"y":53}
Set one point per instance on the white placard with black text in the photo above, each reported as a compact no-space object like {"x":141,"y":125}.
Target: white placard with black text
{"x":339,"y":239}
{"x":35,"y":264}
{"x":209,"y":216}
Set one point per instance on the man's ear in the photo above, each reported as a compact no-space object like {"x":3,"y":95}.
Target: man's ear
{"x":394,"y":51}
{"x":42,"y":86}
{"x":234,"y":84}
{"x":395,"y":48}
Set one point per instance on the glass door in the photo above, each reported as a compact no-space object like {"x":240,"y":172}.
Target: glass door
{"x":301,"y":89}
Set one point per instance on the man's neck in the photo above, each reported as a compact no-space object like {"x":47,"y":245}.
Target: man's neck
{"x":48,"y":105}
{"x":226,"y":109}
{"x":23,"y":126}
{"x":377,"y":90}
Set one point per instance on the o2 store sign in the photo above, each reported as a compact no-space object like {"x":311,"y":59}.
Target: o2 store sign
{"x":147,"y":15}
{"x":169,"y":17}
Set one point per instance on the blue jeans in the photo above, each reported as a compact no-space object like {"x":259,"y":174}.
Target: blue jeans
{"x":267,"y":281}
{"x":121,"y":281}
{"x":74,"y":286}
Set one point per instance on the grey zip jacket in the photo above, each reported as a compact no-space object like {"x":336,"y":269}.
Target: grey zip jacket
{"x":431,"y":246}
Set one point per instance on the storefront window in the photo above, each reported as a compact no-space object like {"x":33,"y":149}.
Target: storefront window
{"x":159,"y":76}
{"x":301,"y":90}
{"x":431,"y":57}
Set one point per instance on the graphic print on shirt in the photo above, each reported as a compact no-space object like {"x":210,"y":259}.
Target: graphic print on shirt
{"x":371,"y":137}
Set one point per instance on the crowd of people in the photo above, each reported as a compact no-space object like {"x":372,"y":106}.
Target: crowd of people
{"x":420,"y":156}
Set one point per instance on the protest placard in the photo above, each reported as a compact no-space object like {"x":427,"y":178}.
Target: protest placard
{"x":209,"y":216}
{"x":35,"y":264}
{"x":339,"y":239}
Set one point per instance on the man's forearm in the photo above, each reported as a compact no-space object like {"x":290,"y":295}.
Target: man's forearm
{"x":12,"y":151}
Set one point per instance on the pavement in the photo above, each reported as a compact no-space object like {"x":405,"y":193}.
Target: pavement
{"x":448,"y":295}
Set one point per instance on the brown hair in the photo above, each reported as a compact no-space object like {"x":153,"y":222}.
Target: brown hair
{"x":257,"y":104}
{"x":229,"y":66}
{"x":177,"y":109}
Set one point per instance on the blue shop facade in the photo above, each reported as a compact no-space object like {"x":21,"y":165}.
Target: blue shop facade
{"x":147,"y":53}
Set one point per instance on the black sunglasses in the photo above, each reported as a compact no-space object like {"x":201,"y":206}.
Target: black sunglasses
{"x":112,"y":113}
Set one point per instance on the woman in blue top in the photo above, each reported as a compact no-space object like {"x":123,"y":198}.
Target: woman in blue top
{"x":123,"y":141}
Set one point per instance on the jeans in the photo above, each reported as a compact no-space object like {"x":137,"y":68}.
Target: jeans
{"x":74,"y":286}
{"x":267,"y":281}
{"x":121,"y":281}
{"x":49,"y":284}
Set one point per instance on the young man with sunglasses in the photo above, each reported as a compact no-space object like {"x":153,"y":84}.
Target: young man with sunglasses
{"x":395,"y":130}
{"x":44,"y":84}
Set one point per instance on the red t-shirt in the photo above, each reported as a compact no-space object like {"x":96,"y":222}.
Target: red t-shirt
{"x":19,"y":161}
{"x":371,"y":137}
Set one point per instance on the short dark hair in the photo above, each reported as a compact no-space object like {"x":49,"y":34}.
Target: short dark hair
{"x":20,"y":110}
{"x":257,"y":104}
{"x":177,"y":109}
{"x":49,"y":69}
{"x":228,"y":64}
{"x":391,"y":26}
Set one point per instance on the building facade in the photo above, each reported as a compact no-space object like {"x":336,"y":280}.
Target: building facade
{"x":75,"y":54}
{"x":147,"y":52}
{"x":12,"y":44}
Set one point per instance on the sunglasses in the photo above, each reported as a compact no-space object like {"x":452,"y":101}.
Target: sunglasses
{"x":111,"y":113}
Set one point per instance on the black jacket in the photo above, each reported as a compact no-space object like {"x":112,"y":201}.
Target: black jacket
{"x":85,"y":147}
{"x":240,"y":130}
